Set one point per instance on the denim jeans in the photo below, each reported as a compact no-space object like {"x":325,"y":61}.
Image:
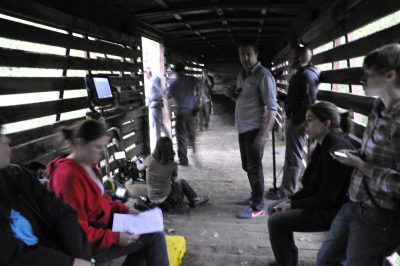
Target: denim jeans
{"x":360,"y":235}
{"x":156,"y":121}
{"x":185,"y":134}
{"x":186,"y":190}
{"x":204,"y":115}
{"x":252,"y":165}
{"x":149,"y":248}
{"x":295,"y":139}
{"x":281,"y":226}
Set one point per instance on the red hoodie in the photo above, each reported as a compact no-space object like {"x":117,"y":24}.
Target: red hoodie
{"x":70,"y":182}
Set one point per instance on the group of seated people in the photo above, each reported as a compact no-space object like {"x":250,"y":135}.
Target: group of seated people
{"x":39,"y":227}
{"x":355,"y":197}
{"x":42,"y":226}
{"x":353,"y":194}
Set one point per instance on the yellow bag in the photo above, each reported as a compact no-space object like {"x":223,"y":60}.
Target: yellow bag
{"x":176,"y":247}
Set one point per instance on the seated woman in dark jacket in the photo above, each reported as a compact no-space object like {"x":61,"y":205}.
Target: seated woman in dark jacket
{"x":325,"y":183}
{"x":36,"y":228}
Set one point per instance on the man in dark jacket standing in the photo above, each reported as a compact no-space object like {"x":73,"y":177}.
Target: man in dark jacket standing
{"x":182,"y":90}
{"x":301,"y":94}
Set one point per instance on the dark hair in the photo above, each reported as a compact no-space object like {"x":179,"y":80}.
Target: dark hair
{"x":248,"y":43}
{"x":328,"y":111}
{"x":164,"y":152}
{"x":179,"y":67}
{"x":87,"y":130}
{"x":304,"y":52}
{"x":384,"y":59}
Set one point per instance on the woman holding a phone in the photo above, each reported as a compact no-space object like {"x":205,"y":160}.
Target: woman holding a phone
{"x":325,"y":182}
{"x":367,"y":227}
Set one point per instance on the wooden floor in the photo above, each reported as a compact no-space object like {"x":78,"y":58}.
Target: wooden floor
{"x":214,"y":235}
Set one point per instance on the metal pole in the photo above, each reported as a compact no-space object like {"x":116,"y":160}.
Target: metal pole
{"x":273,"y":160}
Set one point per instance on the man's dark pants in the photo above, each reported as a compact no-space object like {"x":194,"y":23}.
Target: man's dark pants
{"x":252,"y":164}
{"x":185,"y":134}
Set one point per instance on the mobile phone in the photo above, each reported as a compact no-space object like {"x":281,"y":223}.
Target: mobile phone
{"x":339,"y":154}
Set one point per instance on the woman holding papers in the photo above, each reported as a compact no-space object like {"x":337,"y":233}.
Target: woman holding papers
{"x":162,"y":172}
{"x":76,"y":179}
{"x":36,"y":228}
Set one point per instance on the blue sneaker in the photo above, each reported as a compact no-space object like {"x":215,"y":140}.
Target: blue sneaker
{"x":250,"y":213}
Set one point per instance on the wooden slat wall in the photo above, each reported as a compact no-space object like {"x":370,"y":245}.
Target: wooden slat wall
{"x":40,"y":143}
{"x":325,"y":29}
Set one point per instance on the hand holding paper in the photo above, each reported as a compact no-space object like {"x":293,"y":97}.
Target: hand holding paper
{"x":146,"y":222}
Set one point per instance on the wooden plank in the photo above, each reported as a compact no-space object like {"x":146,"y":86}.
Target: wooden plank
{"x":18,"y":31}
{"x":359,"y":47}
{"x":132,"y":127}
{"x":342,"y":76}
{"x":17,"y":58}
{"x":325,"y":29}
{"x":14,"y":85}
{"x":125,"y":81}
{"x":36,"y":148}
{"x":49,"y":16}
{"x":137,"y":151}
{"x":35,"y":133}
{"x":358,"y":130}
{"x":21,"y":112}
{"x":126,"y":113}
{"x":135,"y":139}
{"x":282,"y":86}
{"x":357,"y":103}
{"x":126,"y":96}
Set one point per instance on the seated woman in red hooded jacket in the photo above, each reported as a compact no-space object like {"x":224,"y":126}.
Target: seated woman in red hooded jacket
{"x":76,"y":179}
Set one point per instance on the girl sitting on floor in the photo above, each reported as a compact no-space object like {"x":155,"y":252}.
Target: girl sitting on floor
{"x":163,"y":187}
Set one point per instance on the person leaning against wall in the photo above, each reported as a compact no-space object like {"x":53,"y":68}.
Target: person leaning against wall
{"x":154,"y":100}
{"x":255,"y":110}
{"x":301,"y":94}
{"x":367,"y":227}
{"x":36,"y":228}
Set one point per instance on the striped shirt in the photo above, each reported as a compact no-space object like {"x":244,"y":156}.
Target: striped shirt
{"x":381,"y":151}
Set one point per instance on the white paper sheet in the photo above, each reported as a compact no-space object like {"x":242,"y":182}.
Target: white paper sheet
{"x":146,"y":222}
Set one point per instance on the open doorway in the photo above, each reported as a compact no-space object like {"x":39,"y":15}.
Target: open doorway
{"x":154,"y":87}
